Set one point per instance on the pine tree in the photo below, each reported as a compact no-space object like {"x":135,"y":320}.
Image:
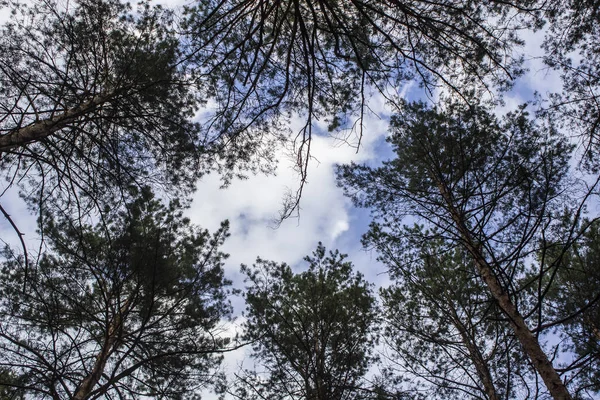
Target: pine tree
{"x":445,"y":334}
{"x":127,"y":308}
{"x":93,"y":100}
{"x":492,"y":187}
{"x":312,"y":331}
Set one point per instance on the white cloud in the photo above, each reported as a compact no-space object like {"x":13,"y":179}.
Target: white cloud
{"x":253,"y":204}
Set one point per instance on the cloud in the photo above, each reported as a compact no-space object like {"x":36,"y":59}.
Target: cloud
{"x":252,"y":205}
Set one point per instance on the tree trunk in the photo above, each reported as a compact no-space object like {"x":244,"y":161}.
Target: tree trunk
{"x":87,"y":384}
{"x":44,"y":128}
{"x":483,"y":371}
{"x":528,"y":341}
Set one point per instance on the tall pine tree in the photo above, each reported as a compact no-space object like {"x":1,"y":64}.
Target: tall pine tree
{"x":312,"y":332}
{"x":493,"y":187}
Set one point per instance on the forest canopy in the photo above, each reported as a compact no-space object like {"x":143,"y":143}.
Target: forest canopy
{"x":482,"y":213}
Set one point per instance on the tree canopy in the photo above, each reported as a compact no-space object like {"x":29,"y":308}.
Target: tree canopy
{"x":93,"y":101}
{"x":571,"y":47}
{"x":97,"y":97}
{"x":447,"y":337}
{"x":265,"y":61}
{"x":129,"y":308}
{"x":487,"y":223}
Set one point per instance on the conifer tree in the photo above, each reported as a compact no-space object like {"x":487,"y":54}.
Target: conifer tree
{"x":127,"y":308}
{"x":446,"y":336}
{"x":495,"y":188}
{"x":312,"y":332}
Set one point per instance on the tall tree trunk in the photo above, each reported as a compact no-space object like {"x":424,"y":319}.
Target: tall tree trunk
{"x":528,"y":341}
{"x":44,"y":128}
{"x":86,"y":386}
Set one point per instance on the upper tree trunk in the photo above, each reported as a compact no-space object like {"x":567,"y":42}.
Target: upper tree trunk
{"x":528,"y":341}
{"x":41,"y":129}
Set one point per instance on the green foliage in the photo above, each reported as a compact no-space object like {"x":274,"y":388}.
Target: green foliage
{"x":264,"y":62}
{"x":573,"y":300}
{"x":312,"y":331}
{"x":10,"y":388}
{"x":318,"y":57}
{"x":502,"y":177}
{"x":131,"y":305}
{"x":572,"y":48}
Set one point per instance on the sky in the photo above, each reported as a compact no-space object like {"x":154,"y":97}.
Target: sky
{"x":325,"y":214}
